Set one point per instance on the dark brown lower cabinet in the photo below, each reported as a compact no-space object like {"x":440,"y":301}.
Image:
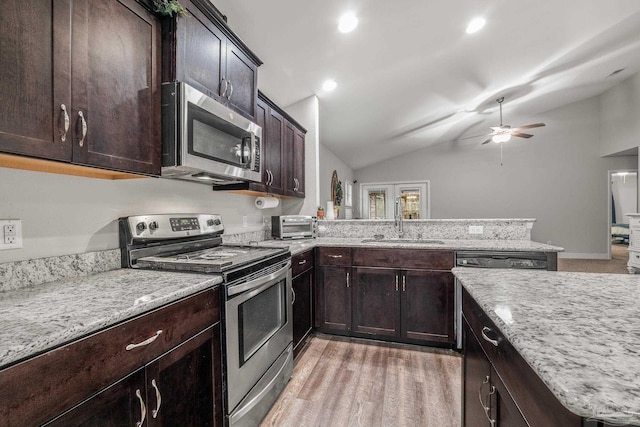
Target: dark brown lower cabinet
{"x":499,"y":388}
{"x":178,"y":388}
{"x":333,"y":299}
{"x":408,"y":305}
{"x":303,"y":285}
{"x":376,"y":305}
{"x":486,"y":402}
{"x":427,"y":306}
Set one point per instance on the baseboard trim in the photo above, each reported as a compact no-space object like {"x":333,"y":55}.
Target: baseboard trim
{"x":576,"y":255}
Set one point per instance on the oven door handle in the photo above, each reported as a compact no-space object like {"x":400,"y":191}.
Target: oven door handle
{"x":259,"y":282}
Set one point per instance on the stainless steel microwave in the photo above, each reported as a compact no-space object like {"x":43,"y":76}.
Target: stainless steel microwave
{"x":204,"y":141}
{"x":294,"y":227}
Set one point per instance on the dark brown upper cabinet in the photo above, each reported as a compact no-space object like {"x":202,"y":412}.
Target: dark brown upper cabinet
{"x":81,"y":83}
{"x":202,"y":51}
{"x":293,"y":165}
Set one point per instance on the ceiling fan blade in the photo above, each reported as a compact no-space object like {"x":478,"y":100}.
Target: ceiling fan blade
{"x":474,"y":136}
{"x":487,"y":141}
{"x":521,"y":135}
{"x":535,"y":125}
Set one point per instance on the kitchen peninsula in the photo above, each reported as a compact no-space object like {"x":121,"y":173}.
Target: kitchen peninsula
{"x":578,"y":333}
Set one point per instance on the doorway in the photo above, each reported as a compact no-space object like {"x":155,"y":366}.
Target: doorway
{"x":377,"y":200}
{"x":622,"y":200}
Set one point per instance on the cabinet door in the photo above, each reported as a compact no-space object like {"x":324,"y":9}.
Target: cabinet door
{"x":333,"y":299}
{"x":273,"y":150}
{"x":121,"y":404}
{"x":242,"y":75}
{"x":375,"y":304}
{"x":180,"y":384}
{"x":503,"y":407}
{"x":476,"y":375}
{"x":298,"y":161}
{"x":34,"y":52}
{"x":199,"y":48}
{"x":302,"y":308}
{"x":428,"y":306}
{"x":116,"y":86}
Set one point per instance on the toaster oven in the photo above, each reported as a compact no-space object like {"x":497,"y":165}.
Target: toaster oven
{"x":294,"y":227}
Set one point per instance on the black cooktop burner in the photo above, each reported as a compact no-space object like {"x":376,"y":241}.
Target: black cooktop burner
{"x":218,"y":259}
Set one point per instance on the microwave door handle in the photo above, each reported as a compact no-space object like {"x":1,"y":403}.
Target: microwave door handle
{"x":244,"y":159}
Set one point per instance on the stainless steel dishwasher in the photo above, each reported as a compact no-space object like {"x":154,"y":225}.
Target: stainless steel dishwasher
{"x":486,"y":259}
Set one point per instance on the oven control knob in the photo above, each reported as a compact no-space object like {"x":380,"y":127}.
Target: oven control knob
{"x":212,"y":222}
{"x":140,"y":227}
{"x":153,"y":226}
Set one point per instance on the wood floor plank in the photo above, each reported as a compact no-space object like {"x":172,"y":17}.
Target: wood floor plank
{"x":345,"y":382}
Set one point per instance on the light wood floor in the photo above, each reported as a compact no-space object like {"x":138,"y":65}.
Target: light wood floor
{"x":342,"y":382}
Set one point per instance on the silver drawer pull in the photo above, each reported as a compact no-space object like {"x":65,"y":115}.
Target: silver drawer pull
{"x":154,"y":413}
{"x":145,"y":342}
{"x":303,"y":262}
{"x":293,"y":296}
{"x":348,"y":279}
{"x":335,"y":256}
{"x":143,"y":409}
{"x":484,"y":335}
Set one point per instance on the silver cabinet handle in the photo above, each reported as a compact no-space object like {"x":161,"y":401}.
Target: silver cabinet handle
{"x":396,"y":283}
{"x":230,"y":91}
{"x":226,"y":85}
{"x":335,"y":256}
{"x":483,"y":402}
{"x":154,"y":413}
{"x":294,"y":296}
{"x":145,"y":342}
{"x":484,"y":335}
{"x":404,"y":283}
{"x":83,"y":123}
{"x":271,"y":178}
{"x":492,"y":422}
{"x":348,"y":279}
{"x":143,"y":409}
{"x":303,"y":262}
{"x":63,"y":137}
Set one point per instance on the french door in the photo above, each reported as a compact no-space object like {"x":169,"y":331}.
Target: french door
{"x":377,"y":200}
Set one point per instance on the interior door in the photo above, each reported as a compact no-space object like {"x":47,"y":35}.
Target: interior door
{"x":377,"y":201}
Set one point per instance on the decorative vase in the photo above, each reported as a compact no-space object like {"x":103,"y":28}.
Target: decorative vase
{"x":320,"y":214}
{"x":336,"y":212}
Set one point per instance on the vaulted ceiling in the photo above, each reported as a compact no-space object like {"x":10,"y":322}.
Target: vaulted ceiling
{"x":409,"y":76}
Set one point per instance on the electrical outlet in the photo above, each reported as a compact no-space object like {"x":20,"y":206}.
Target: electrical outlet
{"x":476,"y":229}
{"x":245,"y":223}
{"x":11,"y":234}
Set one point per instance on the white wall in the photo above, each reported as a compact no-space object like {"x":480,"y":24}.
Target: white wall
{"x":620,"y":116}
{"x":328,"y":163}
{"x":558,"y":177}
{"x":64,"y":214}
{"x":306,"y":112}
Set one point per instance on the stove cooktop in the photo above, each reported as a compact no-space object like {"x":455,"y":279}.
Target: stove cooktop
{"x":218,"y":259}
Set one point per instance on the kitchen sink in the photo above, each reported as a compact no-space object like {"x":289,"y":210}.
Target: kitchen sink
{"x":408,"y":241}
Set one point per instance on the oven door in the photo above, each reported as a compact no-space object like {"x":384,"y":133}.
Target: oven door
{"x":258,"y":330}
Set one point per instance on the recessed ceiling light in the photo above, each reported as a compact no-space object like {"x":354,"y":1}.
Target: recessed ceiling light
{"x":348,"y":22}
{"x":475,"y":25}
{"x":329,"y":85}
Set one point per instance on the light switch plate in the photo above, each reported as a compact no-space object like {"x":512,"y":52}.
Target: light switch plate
{"x":11,"y":234}
{"x":476,"y":229}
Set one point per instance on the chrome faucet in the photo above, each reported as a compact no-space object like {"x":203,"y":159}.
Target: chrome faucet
{"x":398,"y":218}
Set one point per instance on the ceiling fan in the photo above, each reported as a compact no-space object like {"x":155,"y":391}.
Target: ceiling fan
{"x":503,"y":133}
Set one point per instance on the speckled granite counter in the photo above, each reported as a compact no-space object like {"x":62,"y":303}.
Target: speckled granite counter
{"x":297,"y":246}
{"x":37,"y":318}
{"x":580,"y":332}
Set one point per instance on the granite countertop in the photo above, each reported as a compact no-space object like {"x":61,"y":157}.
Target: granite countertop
{"x":42,"y":317}
{"x":297,"y":246}
{"x":580,"y":332}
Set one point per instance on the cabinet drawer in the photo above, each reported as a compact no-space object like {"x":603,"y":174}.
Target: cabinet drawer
{"x":403,"y":258}
{"x":77,"y":370}
{"x":301,"y":263}
{"x":480,"y":324}
{"x":334,"y":256}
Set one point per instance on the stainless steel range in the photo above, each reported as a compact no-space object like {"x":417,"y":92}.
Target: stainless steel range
{"x":256,"y":291}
